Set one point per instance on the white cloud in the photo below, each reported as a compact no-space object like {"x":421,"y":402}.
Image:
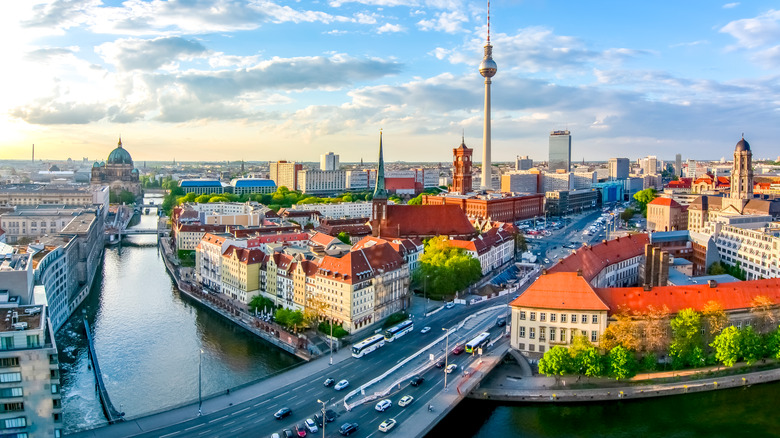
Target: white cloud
{"x":449,"y":22}
{"x":390,"y":28}
{"x":136,"y":54}
{"x":730,"y":5}
{"x":755,"y":32}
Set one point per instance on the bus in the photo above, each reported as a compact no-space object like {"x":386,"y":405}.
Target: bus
{"x":368,"y":345}
{"x":478,"y":342}
{"x":398,"y":330}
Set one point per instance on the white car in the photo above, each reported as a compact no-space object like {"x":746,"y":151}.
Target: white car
{"x":341,"y":385}
{"x":405,"y":401}
{"x":425,"y":330}
{"x":387,"y":425}
{"x":311,"y":425}
{"x":450,"y":305}
{"x":451,"y":367}
{"x":383,"y":405}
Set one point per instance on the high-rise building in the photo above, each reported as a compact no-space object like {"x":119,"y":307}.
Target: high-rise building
{"x":618,"y":168}
{"x":678,"y":165}
{"x":322,"y":181}
{"x":329,"y":161}
{"x":649,"y":165}
{"x":560,"y":151}
{"x":461,"y":169}
{"x":523,"y":163}
{"x":285,"y":173}
{"x":487,"y":68}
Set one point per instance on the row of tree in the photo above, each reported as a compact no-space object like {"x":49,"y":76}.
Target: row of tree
{"x":445,"y":269}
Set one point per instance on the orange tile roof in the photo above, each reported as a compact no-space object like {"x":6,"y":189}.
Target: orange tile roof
{"x":592,"y":259}
{"x":561,"y":290}
{"x":360,"y":265}
{"x":668,"y":202}
{"x":426,"y":220}
{"x":732,"y":296}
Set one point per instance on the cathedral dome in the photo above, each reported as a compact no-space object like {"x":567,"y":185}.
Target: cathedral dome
{"x":96,"y":164}
{"x":742,"y":146}
{"x":119,"y":155}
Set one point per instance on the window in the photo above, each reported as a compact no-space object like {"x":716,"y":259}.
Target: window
{"x":11,"y":392}
{"x":594,"y":319}
{"x":12,"y":407}
{"x":55,"y":388}
{"x":533,"y":316}
{"x":531,"y":347}
{"x":552,"y":317}
{"x":10,"y":377}
{"x":584,"y":333}
{"x":15,"y":422}
{"x":33,"y":341}
{"x":7,"y":362}
{"x":563,"y":335}
{"x":563,"y":317}
{"x":522,"y":332}
{"x":6,"y":343}
{"x":542,"y":336}
{"x":584,"y":319}
{"x":574,"y":318}
{"x":522,"y":315}
{"x":531,"y":333}
{"x":541,"y":349}
{"x":552,"y":334}
{"x":594,"y":336}
{"x":57,"y":403}
{"x":542,"y":316}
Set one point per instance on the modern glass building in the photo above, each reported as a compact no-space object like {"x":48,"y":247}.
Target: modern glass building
{"x":560,"y":151}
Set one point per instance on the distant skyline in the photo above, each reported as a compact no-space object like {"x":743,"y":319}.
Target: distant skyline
{"x":261,"y":80}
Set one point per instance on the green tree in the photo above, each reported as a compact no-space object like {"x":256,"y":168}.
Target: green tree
{"x":555,"y":362}
{"x":627,"y":214}
{"x":714,"y":319}
{"x":520,"y":243}
{"x":261,"y":303}
{"x":282,"y":316}
{"x":417,"y":200}
{"x":727,"y":346}
{"x":686,"y":337}
{"x":586,"y":359}
{"x":295,"y":320}
{"x":448,"y":269}
{"x":772,"y":344}
{"x":644,"y":197}
{"x":622,"y":363}
{"x":716,"y":268}
{"x":344,"y":237}
{"x":751,"y":345}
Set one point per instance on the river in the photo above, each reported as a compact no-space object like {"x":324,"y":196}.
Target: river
{"x":148,"y":337}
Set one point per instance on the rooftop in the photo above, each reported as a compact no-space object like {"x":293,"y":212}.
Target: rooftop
{"x":592,"y":259}
{"x":561,"y":290}
{"x":26,"y":317}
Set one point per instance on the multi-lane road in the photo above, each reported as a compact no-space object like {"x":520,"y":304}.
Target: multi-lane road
{"x":254,"y":417}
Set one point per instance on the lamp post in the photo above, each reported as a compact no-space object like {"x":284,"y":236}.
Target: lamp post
{"x":200,"y":380}
{"x":425,"y":296}
{"x":323,"y":416}
{"x":330,"y":344}
{"x":446,"y":355}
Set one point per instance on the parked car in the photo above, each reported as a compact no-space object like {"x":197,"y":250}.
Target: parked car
{"x":458,"y":349}
{"x":383,"y":405}
{"x":405,"y":401}
{"x":451,"y":367}
{"x":348,"y":428}
{"x":311,"y":425}
{"x":300,"y":430}
{"x":283,"y":412}
{"x":416,"y":381}
{"x":425,"y":330}
{"x":330,"y":381}
{"x":318,"y":420}
{"x":341,"y":385}
{"x":330,"y":415}
{"x":387,"y":425}
{"x":287,"y":433}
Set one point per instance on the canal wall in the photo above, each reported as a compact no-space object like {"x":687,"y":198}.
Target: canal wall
{"x":185,"y":288}
{"x":558,"y":395}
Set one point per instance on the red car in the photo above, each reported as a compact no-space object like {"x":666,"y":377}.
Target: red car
{"x":458,"y":349}
{"x":300,"y":430}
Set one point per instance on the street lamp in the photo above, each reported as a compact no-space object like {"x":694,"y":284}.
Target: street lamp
{"x":200,"y":380}
{"x":446,"y":355}
{"x":323,"y":416}
{"x":330,"y":341}
{"x":425,"y":296}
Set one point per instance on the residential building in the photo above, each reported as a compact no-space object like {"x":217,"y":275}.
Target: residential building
{"x":329,"y":161}
{"x":33,"y":223}
{"x":520,"y":182}
{"x":49,"y":194}
{"x":359,"y":180}
{"x":552,"y":182}
{"x":618,"y":168}
{"x":523,"y":163}
{"x":649,"y":165}
{"x":583,"y":180}
{"x":492,"y":248}
{"x":560,"y":151}
{"x":665,"y":214}
{"x":240,"y":273}
{"x":613,"y":263}
{"x":678,"y":165}
{"x":285,"y":174}
{"x":322,"y":181}
{"x":340,"y":210}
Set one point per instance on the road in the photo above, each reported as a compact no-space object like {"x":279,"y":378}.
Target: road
{"x":254,"y":417}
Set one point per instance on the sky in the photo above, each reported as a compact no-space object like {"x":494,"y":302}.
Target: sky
{"x":271,"y":80}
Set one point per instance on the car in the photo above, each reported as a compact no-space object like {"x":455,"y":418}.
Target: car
{"x":330,"y":415}
{"x":501,"y":321}
{"x":405,"y":401}
{"x":330,"y":381}
{"x":341,"y":385}
{"x":440,"y":363}
{"x":547,"y":260}
{"x":275,"y":435}
{"x":283,"y":412}
{"x":318,"y":420}
{"x":387,"y":425}
{"x":416,"y":381}
{"x":287,"y":433}
{"x":311,"y":425}
{"x":458,"y":349}
{"x":383,"y":405}
{"x":451,"y":367}
{"x":425,"y":330}
{"x":450,"y":305}
{"x":300,"y":430}
{"x":348,"y":428}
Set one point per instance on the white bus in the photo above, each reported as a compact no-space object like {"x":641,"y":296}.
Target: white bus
{"x":368,"y":345}
{"x":399,"y":330}
{"x":478,"y":342}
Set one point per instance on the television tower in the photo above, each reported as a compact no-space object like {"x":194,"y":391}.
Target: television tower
{"x":487,"y":68}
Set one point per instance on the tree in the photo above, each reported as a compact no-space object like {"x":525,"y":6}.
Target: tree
{"x":763,"y":308}
{"x":627,"y":214}
{"x":520,"y":243}
{"x":656,"y":339}
{"x":622,"y":363}
{"x":448,"y":269}
{"x":344,"y":237}
{"x":261,"y":303}
{"x":751,"y":346}
{"x":773,"y":344}
{"x":295,"y":320}
{"x":417,"y":200}
{"x":622,"y":332}
{"x":555,"y":362}
{"x":716,"y":268}
{"x":644,"y":197}
{"x":727,"y":346}
{"x":686,"y":337}
{"x":714,"y":320}
{"x":586,"y":359}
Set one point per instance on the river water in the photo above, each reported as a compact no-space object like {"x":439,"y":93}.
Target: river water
{"x":148,"y":337}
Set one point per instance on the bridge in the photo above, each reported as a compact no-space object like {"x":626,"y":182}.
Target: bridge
{"x":136,"y":231}
{"x":244,"y":411}
{"x":112,"y":415}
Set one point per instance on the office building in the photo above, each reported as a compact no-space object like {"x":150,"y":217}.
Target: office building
{"x":322,"y":181}
{"x":678,"y":165}
{"x":329,"y":161}
{"x":285,"y":174}
{"x":560,"y":151}
{"x":618,"y":168}
{"x":649,"y":165}
{"x":520,"y":182}
{"x":523,"y":163}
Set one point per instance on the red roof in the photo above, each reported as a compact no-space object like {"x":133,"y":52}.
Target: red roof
{"x":682,"y":183}
{"x":561,"y":290}
{"x":425,"y":220}
{"x":732,"y":296}
{"x":323,"y":239}
{"x":360,"y":265}
{"x":393,"y":184}
{"x":592,"y":259}
{"x":245,"y":256}
{"x":668,"y":202}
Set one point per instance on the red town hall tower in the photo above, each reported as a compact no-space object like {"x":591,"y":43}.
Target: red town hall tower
{"x":461,"y":166}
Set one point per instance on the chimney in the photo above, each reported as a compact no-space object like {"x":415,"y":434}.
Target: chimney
{"x":712,"y":283}
{"x":579,"y":272}
{"x":544,"y":271}
{"x":647,"y":288}
{"x":604,"y":241}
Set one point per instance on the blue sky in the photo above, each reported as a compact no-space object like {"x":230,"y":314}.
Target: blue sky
{"x":269,"y":80}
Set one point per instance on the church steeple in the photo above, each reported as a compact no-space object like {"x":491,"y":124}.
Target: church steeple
{"x":379,"y":191}
{"x":379,"y":201}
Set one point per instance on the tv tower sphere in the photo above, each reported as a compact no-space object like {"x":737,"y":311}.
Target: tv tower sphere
{"x":488,"y":67}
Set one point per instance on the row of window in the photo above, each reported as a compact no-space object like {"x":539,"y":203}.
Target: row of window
{"x":556,"y":334}
{"x":7,"y":342}
{"x":583,"y":318}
